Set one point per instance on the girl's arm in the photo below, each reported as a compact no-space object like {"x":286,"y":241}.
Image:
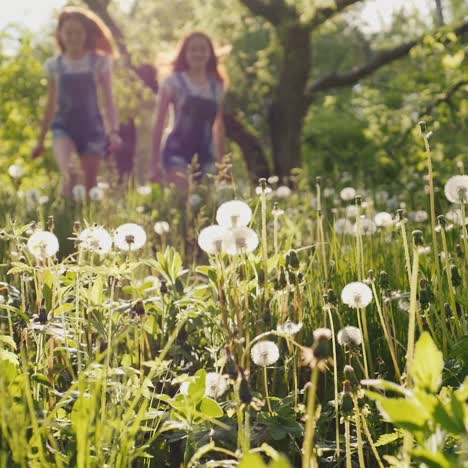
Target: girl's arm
{"x":111,"y":110}
{"x":159,"y":125}
{"x":219,"y":134}
{"x":47,"y":119}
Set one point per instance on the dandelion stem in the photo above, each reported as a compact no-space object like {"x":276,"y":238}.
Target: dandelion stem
{"x":265,"y":383}
{"x":309,"y":459}
{"x":357,"y":419}
{"x":371,"y":441}
{"x":348,"y":444}
{"x":365,"y":341}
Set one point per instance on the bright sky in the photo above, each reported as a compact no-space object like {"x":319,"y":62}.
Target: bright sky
{"x":37,"y":14}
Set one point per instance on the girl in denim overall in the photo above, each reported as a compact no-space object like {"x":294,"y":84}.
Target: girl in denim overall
{"x":72,"y":108}
{"x":195,"y":90}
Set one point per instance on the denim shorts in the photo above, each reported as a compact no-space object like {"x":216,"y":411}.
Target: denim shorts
{"x":96,"y":147}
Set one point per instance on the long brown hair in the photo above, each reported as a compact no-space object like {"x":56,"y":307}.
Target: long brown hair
{"x":98,"y":36}
{"x":180,"y":63}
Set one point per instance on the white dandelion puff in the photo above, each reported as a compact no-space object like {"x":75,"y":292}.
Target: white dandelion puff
{"x":96,"y":239}
{"x":352,"y":211}
{"x":215,"y":385}
{"x":144,"y":190}
{"x":264,"y":353}
{"x":455,"y":216}
{"x":289,"y":328}
{"x":343,"y":226}
{"x":79,"y":193}
{"x":356,"y":295}
{"x":283,"y":191}
{"x":43,"y":244}
{"x":234,"y":213}
{"x":161,"y":227}
{"x":211,"y":239}
{"x":367,"y":227}
{"x":96,"y":193}
{"x":456,"y":189}
{"x":129,"y":237}
{"x":348,"y":194}
{"x":383,"y":219}
{"x":349,"y":336}
{"x":16,"y":171}
{"x":240,"y":240}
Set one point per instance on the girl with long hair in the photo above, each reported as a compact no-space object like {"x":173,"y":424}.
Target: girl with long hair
{"x":195,"y":90}
{"x":72,"y":111}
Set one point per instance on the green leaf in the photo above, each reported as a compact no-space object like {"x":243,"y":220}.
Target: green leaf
{"x":8,"y":341}
{"x":96,"y":295}
{"x":281,"y":462}
{"x":42,"y":379}
{"x":432,"y":460}
{"x":211,"y":408}
{"x":386,"y":439}
{"x":428,"y":363}
{"x":252,"y":460}
{"x":196,"y":390}
{"x":407,"y":414}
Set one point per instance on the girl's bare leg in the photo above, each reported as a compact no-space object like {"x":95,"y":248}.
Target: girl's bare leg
{"x":63,"y":151}
{"x":90,"y":165}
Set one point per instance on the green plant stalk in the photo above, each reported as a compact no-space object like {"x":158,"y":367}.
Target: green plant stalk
{"x":386,"y":333}
{"x":371,"y":441}
{"x":404,"y":238}
{"x":359,"y":248}
{"x":357,"y":419}
{"x":321,"y":239}
{"x":365,"y":342}
{"x":265,"y":384}
{"x":464,"y":232}
{"x":335,"y":382}
{"x":309,"y":458}
{"x":264,"y":242}
{"x":348,"y":444}
{"x":275,"y":234}
{"x":408,"y":438}
{"x":432,"y":206}
{"x":448,"y":272}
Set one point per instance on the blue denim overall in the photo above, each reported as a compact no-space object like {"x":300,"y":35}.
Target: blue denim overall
{"x":78,"y":116}
{"x":192,"y":133}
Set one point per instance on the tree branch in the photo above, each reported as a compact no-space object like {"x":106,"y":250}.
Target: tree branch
{"x":274,"y":11}
{"x":381,"y":58}
{"x":323,"y":14}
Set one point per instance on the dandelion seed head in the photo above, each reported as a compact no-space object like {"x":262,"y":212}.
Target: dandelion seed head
{"x":343,"y":226}
{"x":161,"y":227}
{"x":144,"y":190}
{"x":349,"y":336}
{"x":264,"y":353}
{"x":129,"y":237}
{"x":352,"y":211}
{"x":215,"y":385}
{"x":96,"y":194}
{"x":283,"y":191}
{"x":259,"y":190}
{"x":383,"y":219}
{"x":79,"y":193}
{"x":211,"y":238}
{"x":273,"y":179}
{"x":455,"y":216}
{"x":234,"y":213}
{"x":289,"y":328}
{"x":240,"y":240}
{"x":16,"y":171}
{"x":96,"y":239}
{"x":348,"y":194}
{"x":43,"y":244}
{"x":367,"y":227}
{"x":356,"y":295}
{"x":456,"y":189}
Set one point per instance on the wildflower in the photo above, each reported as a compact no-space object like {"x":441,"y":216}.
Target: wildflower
{"x":328,"y":192}
{"x":153,"y":282}
{"x":455,"y":216}
{"x":283,"y":191}
{"x":264,"y":353}
{"x":456,"y":189}
{"x":240,"y":240}
{"x":129,"y":237}
{"x":383,"y":219}
{"x":43,"y":244}
{"x":103,"y":185}
{"x":367,"y":227}
{"x":352,"y":211}
{"x":277,"y":212}
{"x":16,"y":171}
{"x":79,"y":193}
{"x":350,"y":337}
{"x":144,"y":190}
{"x":273,"y":179}
{"x":263,"y":187}
{"x":420,"y":216}
{"x":96,"y":193}
{"x":343,"y":226}
{"x":96,"y":239}
{"x":356,"y":295}
{"x":195,"y":200}
{"x":348,"y":194}
{"x":161,"y":227}
{"x":234,"y":213}
{"x":319,"y":355}
{"x":215,"y":385}
{"x":211,"y":238}
{"x":289,"y":328}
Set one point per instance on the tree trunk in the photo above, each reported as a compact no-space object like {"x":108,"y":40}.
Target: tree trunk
{"x":440,"y":13}
{"x":290,"y":104}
